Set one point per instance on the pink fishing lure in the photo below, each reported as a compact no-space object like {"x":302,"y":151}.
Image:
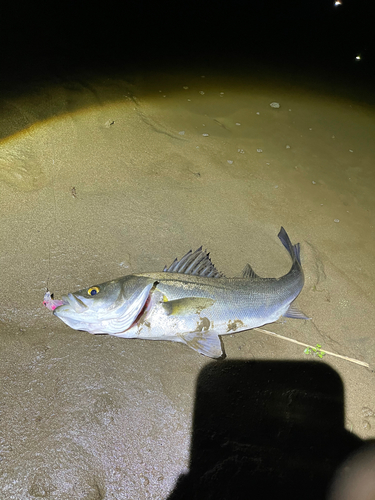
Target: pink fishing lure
{"x":50,"y":303}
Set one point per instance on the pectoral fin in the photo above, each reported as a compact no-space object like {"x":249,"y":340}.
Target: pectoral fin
{"x":206,"y":343}
{"x":189,"y":305}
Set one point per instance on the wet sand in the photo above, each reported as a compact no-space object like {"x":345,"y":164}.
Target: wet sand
{"x":101,"y":177}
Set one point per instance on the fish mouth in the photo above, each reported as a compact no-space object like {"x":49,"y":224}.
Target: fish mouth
{"x":74,"y":303}
{"x":70,"y":310}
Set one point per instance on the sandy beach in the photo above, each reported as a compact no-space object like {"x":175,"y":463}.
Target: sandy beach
{"x":102,"y":177}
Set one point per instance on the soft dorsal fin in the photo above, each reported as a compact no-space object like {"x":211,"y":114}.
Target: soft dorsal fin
{"x":249,"y":273}
{"x":197,"y":263}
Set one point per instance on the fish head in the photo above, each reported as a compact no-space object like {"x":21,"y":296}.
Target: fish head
{"x":111,"y":307}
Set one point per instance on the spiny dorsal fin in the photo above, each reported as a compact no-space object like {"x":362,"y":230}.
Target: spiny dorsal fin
{"x":197,"y":263}
{"x":249,"y":273}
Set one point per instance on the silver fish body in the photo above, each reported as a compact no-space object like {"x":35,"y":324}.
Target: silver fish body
{"x":190,"y":302}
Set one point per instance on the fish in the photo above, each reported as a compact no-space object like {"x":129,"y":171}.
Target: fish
{"x":190,"y":302}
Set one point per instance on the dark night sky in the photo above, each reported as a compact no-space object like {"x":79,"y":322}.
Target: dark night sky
{"x":310,"y":33}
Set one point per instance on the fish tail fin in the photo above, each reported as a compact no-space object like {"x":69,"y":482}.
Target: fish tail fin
{"x":294,"y":250}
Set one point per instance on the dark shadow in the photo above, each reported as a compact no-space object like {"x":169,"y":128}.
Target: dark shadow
{"x":266,"y":430}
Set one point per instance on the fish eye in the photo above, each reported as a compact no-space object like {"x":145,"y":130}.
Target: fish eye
{"x":93,"y":290}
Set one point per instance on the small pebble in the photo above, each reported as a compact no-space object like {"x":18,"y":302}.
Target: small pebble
{"x":201,"y":92}
{"x":287,"y":146}
{"x":313,"y":182}
{"x":185,"y":88}
{"x":182,"y":132}
{"x":238,"y":123}
{"x":350,"y":151}
{"x":336,"y":220}
{"x":275,"y":105}
{"x":259,"y":150}
{"x":366,"y":425}
{"x":240,"y":151}
{"x":230,"y":162}
{"x":205,"y":135}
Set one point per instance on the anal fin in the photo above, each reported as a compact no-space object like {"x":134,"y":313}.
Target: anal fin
{"x":206,"y":343}
{"x":294,"y":312}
